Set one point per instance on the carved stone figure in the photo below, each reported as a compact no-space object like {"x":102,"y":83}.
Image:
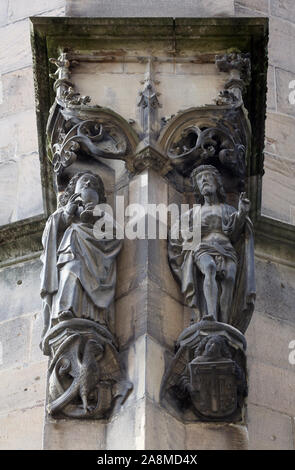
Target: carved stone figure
{"x":77,"y":287}
{"x":206,"y":379}
{"x":217,"y":275}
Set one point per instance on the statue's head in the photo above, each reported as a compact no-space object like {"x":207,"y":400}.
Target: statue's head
{"x":88,"y":185}
{"x":215,"y":346}
{"x":206,"y":179}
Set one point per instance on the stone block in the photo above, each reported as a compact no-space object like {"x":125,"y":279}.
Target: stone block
{"x":148,"y":309}
{"x":3,"y":12}
{"x":23,"y":387}
{"x":214,"y":436}
{"x":241,"y":11}
{"x":136,"y":363}
{"x":278,"y":189}
{"x":74,"y":435}
{"x":269,"y":430}
{"x":18,"y":135}
{"x":281,"y":40}
{"x":188,"y":90}
{"x":271,"y":387}
{"x":131,"y":312}
{"x":163,"y":431}
{"x":18,"y":91}
{"x":106,"y":90}
{"x":98,"y":68}
{"x":259,"y":5}
{"x":18,"y":9}
{"x":20,"y":291}
{"x":35,"y":354}
{"x":130,"y":275}
{"x":198,"y":69}
{"x":19,"y":176}
{"x":22,"y":429}
{"x":155,"y":369}
{"x":275,"y":286}
{"x":15,"y":48}
{"x":283,"y":9}
{"x":150,"y":8}
{"x":14,"y":342}
{"x":165,"y":319}
{"x":135,"y":67}
{"x":271,"y":89}
{"x":283,"y":78}
{"x":279,"y":131}
{"x":268,"y":340}
{"x":126,"y":430}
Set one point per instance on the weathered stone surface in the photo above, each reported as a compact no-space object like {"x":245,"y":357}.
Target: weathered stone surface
{"x":283,"y":9}
{"x":15,"y":49}
{"x":20,"y":289}
{"x":18,"y":10}
{"x":207,"y":436}
{"x":150,"y":8}
{"x":3,"y":12}
{"x":260,"y":5}
{"x":165,"y":319}
{"x":23,"y":387}
{"x":275,"y":290}
{"x":22,"y":429}
{"x":278,"y":189}
{"x":196,"y":89}
{"x":281,"y":40}
{"x":241,"y":11}
{"x":283,"y":78}
{"x":18,"y":92}
{"x":155,"y":368}
{"x":269,"y":430}
{"x":279,"y":133}
{"x":163,"y":431}
{"x":271,"y":90}
{"x":126,"y":431}
{"x":35,"y":353}
{"x":260,"y":346}
{"x":271,"y":387}
{"x":145,"y":365}
{"x":15,"y":340}
{"x":18,"y":134}
{"x":74,"y":435}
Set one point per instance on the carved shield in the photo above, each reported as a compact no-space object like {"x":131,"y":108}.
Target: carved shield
{"x":214,"y":388}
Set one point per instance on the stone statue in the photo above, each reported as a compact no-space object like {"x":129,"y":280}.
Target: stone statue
{"x":77,"y":287}
{"x":217,"y":275}
{"x":79,"y":275}
{"x":206,"y":379}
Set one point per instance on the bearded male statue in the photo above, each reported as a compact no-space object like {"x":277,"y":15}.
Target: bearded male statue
{"x":216,"y":274}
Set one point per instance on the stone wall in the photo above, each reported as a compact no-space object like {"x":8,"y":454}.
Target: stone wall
{"x":271,"y":404}
{"x":23,"y":368}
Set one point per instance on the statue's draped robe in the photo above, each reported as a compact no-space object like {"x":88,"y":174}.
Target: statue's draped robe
{"x":182,"y":262}
{"x":79,"y":271}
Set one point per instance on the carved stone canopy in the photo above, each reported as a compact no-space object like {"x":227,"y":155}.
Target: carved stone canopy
{"x":215,"y":134}
{"x":226,"y":138}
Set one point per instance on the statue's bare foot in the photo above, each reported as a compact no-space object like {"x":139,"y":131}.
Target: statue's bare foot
{"x":65,"y":315}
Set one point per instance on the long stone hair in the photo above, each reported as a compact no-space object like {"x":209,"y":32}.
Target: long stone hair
{"x":70,"y":189}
